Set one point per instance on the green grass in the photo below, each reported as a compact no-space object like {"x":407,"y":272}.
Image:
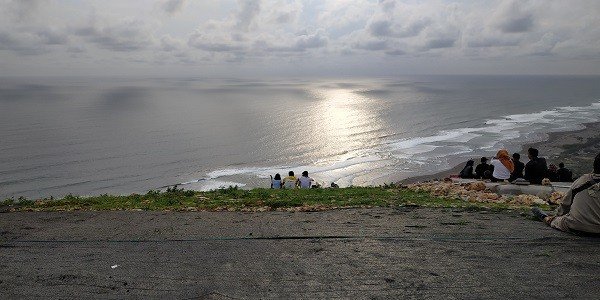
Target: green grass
{"x":256,"y":199}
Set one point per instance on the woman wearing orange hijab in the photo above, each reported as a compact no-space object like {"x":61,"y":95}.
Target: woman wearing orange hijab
{"x":503,"y":166}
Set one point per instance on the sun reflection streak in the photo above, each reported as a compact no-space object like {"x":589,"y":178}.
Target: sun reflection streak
{"x":343,"y":121}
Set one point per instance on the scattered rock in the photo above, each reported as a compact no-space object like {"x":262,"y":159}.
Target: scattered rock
{"x":556,"y":198}
{"x":478,"y":192}
{"x":475,"y":186}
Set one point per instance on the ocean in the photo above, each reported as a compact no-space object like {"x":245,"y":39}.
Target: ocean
{"x":90,"y":136}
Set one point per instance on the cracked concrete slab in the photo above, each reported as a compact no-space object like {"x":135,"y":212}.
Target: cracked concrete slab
{"x":347,"y":253}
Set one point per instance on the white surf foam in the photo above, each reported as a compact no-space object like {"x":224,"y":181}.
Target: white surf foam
{"x":210,"y":185}
{"x":427,"y":152}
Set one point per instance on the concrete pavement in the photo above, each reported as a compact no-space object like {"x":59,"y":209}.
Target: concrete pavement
{"x":350,"y":253}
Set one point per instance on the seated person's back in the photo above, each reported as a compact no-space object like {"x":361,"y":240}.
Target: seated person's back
{"x":502,"y":166}
{"x":290,"y":181}
{"x":305,"y":181}
{"x":564,"y":174}
{"x":276,"y":182}
{"x":481,"y":168}
{"x":467,"y":171}
{"x":536,"y":168}
{"x":552,"y":173}
{"x":519,"y":167}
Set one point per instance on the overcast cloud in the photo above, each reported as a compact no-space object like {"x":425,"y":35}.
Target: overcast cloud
{"x":294,"y":37}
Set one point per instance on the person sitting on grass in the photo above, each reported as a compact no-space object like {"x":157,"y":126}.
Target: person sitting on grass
{"x":467,"y":171}
{"x":503,"y":166}
{"x":276,"y":182}
{"x":291,"y":181}
{"x":579,"y":211}
{"x":305,"y":182}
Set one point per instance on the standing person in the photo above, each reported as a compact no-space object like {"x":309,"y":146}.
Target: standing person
{"x":305,"y":182}
{"x":481,"y":168}
{"x":467,"y":171}
{"x":291,"y":181}
{"x":536,"y":168}
{"x":519,"y":167}
{"x":579,"y":211}
{"x":564,"y":174}
{"x":276,"y":182}
{"x":503,"y":166}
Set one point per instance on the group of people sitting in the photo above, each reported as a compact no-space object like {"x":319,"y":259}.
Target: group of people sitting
{"x":291,"y":181}
{"x":504,"y":168}
{"x":579,"y":211}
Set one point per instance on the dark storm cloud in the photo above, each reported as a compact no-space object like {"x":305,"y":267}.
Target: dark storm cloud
{"x":440,"y":43}
{"x":396,"y":52}
{"x":28,"y":43}
{"x":249,"y":9}
{"x":221,"y":43}
{"x":215,"y":47}
{"x":119,"y":33}
{"x":310,"y":41}
{"x":373,"y":45}
{"x":123,"y":37}
{"x":6,"y":40}
{"x":21,"y":35}
{"x":486,"y":42}
{"x":53,"y":37}
{"x":173,"y":6}
{"x":516,"y":25}
{"x":22,"y":10}
{"x":514,"y":18}
{"x":302,"y":43}
{"x":387,"y":28}
{"x":285,"y":17}
{"x":381,"y":28}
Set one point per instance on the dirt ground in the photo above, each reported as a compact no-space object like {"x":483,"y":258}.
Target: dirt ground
{"x":403,"y":252}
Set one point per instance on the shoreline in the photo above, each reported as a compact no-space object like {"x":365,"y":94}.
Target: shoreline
{"x":577,"y":149}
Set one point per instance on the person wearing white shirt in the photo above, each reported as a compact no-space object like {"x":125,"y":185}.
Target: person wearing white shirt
{"x":503,"y":166}
{"x":305,"y":181}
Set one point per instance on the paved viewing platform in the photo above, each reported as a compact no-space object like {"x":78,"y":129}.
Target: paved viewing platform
{"x":404,"y":252}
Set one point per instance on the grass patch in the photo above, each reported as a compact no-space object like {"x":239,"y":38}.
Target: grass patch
{"x":236,"y":199}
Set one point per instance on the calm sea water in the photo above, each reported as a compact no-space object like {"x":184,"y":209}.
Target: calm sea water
{"x":94,"y":136}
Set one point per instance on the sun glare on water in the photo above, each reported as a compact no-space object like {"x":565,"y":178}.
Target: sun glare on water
{"x":343,"y":119}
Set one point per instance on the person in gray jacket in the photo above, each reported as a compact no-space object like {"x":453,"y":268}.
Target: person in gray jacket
{"x":579,"y":211}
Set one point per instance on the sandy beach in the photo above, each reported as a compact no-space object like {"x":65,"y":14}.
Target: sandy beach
{"x":576,"y":149}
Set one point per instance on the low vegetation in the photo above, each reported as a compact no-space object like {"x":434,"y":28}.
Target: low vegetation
{"x":235,"y":199}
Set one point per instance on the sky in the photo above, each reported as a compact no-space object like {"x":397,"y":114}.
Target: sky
{"x":247,"y":38}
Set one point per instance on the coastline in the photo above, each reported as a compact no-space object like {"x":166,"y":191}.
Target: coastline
{"x":577,"y":149}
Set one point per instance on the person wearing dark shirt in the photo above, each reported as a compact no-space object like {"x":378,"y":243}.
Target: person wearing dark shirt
{"x":564,"y":174}
{"x":467,"y":171}
{"x":536,"y":169}
{"x":481,"y":168}
{"x":519,"y":167}
{"x":552,"y":173}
